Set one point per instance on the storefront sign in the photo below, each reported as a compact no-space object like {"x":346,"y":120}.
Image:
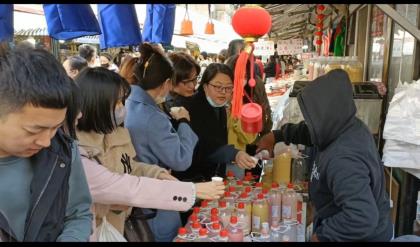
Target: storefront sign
{"x":289,"y":47}
{"x":264,"y":48}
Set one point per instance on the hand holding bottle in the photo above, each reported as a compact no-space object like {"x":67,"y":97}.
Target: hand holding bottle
{"x":267,"y":142}
{"x":244,"y":161}
{"x":209,"y":190}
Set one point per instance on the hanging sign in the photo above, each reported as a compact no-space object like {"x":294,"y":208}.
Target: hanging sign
{"x":289,"y":46}
{"x":264,"y":48}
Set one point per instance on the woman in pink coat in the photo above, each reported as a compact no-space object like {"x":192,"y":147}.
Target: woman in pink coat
{"x":114,"y":188}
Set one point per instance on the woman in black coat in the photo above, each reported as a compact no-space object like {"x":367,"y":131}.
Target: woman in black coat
{"x":208,"y":120}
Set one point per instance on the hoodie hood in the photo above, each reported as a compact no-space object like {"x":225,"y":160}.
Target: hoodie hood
{"x":328,"y":107}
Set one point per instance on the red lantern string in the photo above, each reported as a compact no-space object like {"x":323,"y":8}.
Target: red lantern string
{"x":321,"y":7}
{"x":238,"y":88}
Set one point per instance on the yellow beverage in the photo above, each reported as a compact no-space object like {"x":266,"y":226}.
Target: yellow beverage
{"x":282,"y":168}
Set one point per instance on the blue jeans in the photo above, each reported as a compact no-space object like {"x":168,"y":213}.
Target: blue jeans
{"x":165,"y":225}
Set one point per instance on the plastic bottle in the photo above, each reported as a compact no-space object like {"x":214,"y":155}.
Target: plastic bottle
{"x":182,"y":235}
{"x":289,"y":203}
{"x":311,"y":69}
{"x":204,"y":206}
{"x":265,"y":232}
{"x":282,"y":168}
{"x":247,"y":202}
{"x":247,"y":181}
{"x":229,"y":199}
{"x":202,"y":236}
{"x":248,"y":190}
{"x":290,"y":233}
{"x":223,"y":236}
{"x":214,"y":229}
{"x":196,"y":226}
{"x":257,"y":189}
{"x":224,"y":213}
{"x":244,"y":218}
{"x":193,"y":218}
{"x":238,"y":186}
{"x":230,"y":178}
{"x":275,"y":235}
{"x":275,"y":204}
{"x":298,"y":171}
{"x":259,"y":212}
{"x":235,"y":233}
{"x":267,"y":178}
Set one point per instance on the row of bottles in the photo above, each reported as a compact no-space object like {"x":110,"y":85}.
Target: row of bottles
{"x":319,"y":66}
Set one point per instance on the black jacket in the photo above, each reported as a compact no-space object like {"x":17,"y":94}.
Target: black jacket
{"x":212,"y":151}
{"x":174,"y":100}
{"x":347,"y":184}
{"x":49,"y":193}
{"x":270,"y":69}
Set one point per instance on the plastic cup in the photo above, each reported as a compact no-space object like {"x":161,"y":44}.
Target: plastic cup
{"x":217,"y":179}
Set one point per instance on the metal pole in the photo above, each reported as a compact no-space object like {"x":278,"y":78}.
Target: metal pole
{"x":368,"y":29}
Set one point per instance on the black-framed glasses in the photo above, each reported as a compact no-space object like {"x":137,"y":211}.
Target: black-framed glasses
{"x":221,"y":89}
{"x":194,"y":81}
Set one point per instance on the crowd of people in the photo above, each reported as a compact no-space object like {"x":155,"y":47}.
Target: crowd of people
{"x":93,"y":138}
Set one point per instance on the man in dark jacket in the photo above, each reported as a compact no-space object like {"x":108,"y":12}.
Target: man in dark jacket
{"x":347,"y":184}
{"x":44,"y":194}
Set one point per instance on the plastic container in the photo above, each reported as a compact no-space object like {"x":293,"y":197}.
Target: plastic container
{"x":282,"y":168}
{"x":223,"y":236}
{"x":289,"y":204}
{"x":260,"y":212}
{"x":193,"y":218}
{"x":265,"y":232}
{"x":275,"y":235}
{"x":224,"y":213}
{"x":267,"y":178}
{"x":251,"y":118}
{"x":247,"y":202}
{"x":299,"y":171}
{"x":182,"y":235}
{"x":235,"y":233}
{"x":214,"y":230}
{"x":275,"y":205}
{"x":239,"y":185}
{"x":244,"y":218}
{"x":229,"y":199}
{"x":202,"y":236}
{"x":195,"y":228}
{"x":290,"y":231}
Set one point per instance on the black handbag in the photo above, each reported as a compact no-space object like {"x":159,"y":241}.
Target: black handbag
{"x":136,"y":227}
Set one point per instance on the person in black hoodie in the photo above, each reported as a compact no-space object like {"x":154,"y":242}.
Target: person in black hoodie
{"x":347,"y":183}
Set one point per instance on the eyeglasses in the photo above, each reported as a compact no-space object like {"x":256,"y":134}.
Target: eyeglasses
{"x":193,"y":81}
{"x":221,"y":89}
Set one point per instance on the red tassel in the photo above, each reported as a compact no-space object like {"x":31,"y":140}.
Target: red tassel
{"x":238,"y":87}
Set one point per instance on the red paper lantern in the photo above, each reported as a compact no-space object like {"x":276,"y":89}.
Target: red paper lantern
{"x":321,"y":7}
{"x":251,"y":22}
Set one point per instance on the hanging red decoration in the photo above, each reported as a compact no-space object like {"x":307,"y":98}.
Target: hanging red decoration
{"x":250,"y":22}
{"x":321,"y":7}
{"x":318,"y":41}
{"x":320,"y":17}
{"x":319,"y":25}
{"x":318,"y":33}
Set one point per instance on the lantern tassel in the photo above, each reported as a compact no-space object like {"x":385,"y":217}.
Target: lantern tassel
{"x":238,"y":87}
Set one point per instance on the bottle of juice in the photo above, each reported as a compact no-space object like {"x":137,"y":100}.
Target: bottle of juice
{"x":275,"y":204}
{"x":202,"y":236}
{"x":267,"y":178}
{"x":282,"y":168}
{"x":182,"y":235}
{"x":224,"y":213}
{"x":244,"y":218}
{"x":259,"y":212}
{"x":289,"y":203}
{"x":235,"y":233}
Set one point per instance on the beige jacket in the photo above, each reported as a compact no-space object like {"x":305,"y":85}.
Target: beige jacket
{"x":116,"y":152}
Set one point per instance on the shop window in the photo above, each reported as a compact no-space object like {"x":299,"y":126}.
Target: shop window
{"x":402,"y":53}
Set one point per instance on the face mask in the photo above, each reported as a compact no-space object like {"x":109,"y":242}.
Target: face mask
{"x":214,"y":104}
{"x":120,"y":114}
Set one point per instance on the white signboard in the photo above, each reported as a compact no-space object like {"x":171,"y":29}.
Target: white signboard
{"x":264,"y":48}
{"x":289,"y":47}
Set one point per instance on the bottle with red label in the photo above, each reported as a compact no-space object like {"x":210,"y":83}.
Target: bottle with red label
{"x":235,"y":233}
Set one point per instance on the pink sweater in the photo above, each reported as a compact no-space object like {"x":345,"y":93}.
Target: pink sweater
{"x":107,"y":187}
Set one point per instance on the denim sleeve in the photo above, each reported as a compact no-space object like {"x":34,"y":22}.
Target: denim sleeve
{"x":78,"y":219}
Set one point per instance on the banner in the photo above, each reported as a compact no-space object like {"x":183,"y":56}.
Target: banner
{"x":289,"y":46}
{"x":159,"y":24}
{"x":6,"y":22}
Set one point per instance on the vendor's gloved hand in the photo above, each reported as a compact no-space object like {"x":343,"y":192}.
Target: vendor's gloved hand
{"x":266,"y":142}
{"x":209,"y":190}
{"x":244,"y":161}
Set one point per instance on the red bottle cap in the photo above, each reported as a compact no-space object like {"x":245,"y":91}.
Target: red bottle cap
{"x":248,"y":174}
{"x":214,"y":218}
{"x":243,"y":195}
{"x":182,"y":231}
{"x":223,"y":233}
{"x":196,"y":210}
{"x":225,"y":182}
{"x":248,"y":189}
{"x":274,"y":185}
{"x":230,"y":174}
{"x":204,"y":204}
{"x":241,"y":205}
{"x":231,"y":189}
{"x":260,"y":196}
{"x":202,"y":232}
{"x":227,"y":194}
{"x":233,"y":219}
{"x":214,"y":211}
{"x":259,"y":184}
{"x":265,"y":191}
{"x":239,"y":182}
{"x":193,"y":217}
{"x":196,"y":225}
{"x":290,"y":185}
{"x":247,"y":178}
{"x":216,"y":226}
{"x":222,"y":204}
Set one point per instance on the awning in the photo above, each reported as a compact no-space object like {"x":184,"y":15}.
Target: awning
{"x":36,"y":32}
